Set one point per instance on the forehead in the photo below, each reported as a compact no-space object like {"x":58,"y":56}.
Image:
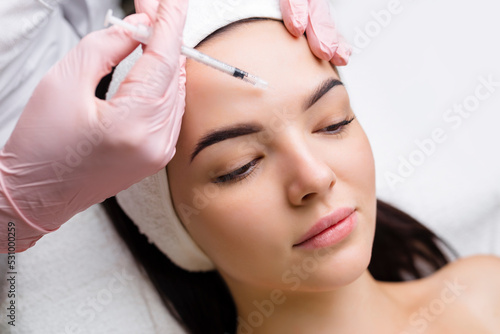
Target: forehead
{"x":262,"y":48}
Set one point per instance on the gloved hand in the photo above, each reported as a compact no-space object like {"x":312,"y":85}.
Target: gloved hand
{"x":313,"y":17}
{"x":70,"y":150}
{"x":310,"y":16}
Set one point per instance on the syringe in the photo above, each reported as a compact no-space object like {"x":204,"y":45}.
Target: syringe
{"x":142,"y":33}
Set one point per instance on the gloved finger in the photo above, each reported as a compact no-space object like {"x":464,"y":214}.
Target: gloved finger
{"x":159,"y":65}
{"x":175,"y":124}
{"x":321,"y":32}
{"x":182,"y":78}
{"x":96,"y":54}
{"x":344,"y":51}
{"x":295,"y":15}
{"x":148,"y":7}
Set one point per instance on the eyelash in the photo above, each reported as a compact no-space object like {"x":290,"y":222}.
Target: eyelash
{"x":235,"y":176}
{"x":247,"y":170}
{"x":339,"y":128}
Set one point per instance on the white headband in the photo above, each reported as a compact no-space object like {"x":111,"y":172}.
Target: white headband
{"x":148,"y":202}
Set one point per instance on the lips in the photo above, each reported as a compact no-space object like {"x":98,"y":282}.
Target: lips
{"x":325,"y":223}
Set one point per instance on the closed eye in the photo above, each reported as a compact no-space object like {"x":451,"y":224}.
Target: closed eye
{"x":238,"y":174}
{"x":337,"y":127}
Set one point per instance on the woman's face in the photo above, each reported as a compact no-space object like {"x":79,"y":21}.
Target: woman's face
{"x":248,"y":195}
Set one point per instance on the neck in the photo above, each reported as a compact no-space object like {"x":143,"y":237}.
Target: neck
{"x":358,"y":307}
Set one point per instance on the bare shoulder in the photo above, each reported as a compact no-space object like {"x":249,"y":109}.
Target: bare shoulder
{"x":461,"y":297}
{"x":475,"y":280}
{"x":475,"y":274}
{"x":474,"y":270}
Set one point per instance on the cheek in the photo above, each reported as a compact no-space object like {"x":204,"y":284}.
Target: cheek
{"x":237,"y":229}
{"x":364,"y":180}
{"x":355,"y":171}
{"x":356,"y":166}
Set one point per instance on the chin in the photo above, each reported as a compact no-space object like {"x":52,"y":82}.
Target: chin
{"x":337,"y":269}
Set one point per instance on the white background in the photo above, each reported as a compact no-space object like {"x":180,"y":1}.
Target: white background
{"x":408,"y":70}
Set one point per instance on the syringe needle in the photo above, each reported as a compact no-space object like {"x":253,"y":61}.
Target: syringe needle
{"x":142,"y":33}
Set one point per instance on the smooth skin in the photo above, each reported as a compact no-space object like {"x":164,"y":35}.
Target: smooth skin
{"x":294,"y":171}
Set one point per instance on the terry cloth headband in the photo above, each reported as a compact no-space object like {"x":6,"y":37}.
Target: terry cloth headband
{"x":148,"y":202}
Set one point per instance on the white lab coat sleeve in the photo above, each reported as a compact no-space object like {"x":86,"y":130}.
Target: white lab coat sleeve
{"x":34,"y":36}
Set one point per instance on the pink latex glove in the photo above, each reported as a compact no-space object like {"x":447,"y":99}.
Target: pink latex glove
{"x":148,"y":7}
{"x":310,"y":16}
{"x":313,"y":17}
{"x":70,"y":150}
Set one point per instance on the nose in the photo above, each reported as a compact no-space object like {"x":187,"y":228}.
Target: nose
{"x":310,"y":178}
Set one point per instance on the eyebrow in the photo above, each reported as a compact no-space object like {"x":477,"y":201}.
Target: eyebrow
{"x":219,"y":135}
{"x":322,"y":90}
{"x":238,"y":130}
